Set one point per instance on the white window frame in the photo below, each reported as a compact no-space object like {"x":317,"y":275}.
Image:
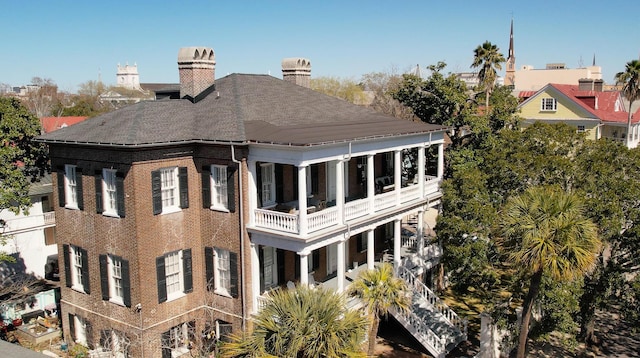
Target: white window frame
{"x":109,"y":193}
{"x":222,"y":272}
{"x":70,"y":187}
{"x":80,"y":327}
{"x":268,"y":177}
{"x":116,"y":290}
{"x":75,"y":255}
{"x":174,"y":275}
{"x":179,"y":340}
{"x":170,"y":190}
{"x":219,"y":194}
{"x":548,"y":104}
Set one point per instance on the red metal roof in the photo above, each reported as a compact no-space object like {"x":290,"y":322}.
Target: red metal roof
{"x":50,"y":124}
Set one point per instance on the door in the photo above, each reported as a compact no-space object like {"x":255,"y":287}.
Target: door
{"x":270,"y":267}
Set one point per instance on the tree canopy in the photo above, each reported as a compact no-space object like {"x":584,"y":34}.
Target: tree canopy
{"x":302,"y":322}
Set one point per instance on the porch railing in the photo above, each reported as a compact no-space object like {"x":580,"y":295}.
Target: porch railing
{"x":23,"y":224}
{"x":276,"y":220}
{"x":328,"y":217}
{"x":434,"y":300}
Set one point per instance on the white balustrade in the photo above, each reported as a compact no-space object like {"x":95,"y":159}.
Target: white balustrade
{"x":322,"y":219}
{"x":411,"y":192}
{"x":49,"y":218}
{"x":357,"y":208}
{"x":385,"y":200}
{"x":421,"y":331}
{"x":276,"y":220}
{"x":433,"y":299}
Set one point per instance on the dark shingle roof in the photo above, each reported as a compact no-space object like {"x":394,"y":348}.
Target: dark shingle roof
{"x":241,"y":109}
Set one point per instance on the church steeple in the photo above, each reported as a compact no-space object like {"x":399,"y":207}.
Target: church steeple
{"x":510,"y":76}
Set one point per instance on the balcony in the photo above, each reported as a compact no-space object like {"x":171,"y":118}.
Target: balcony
{"x":22,"y":224}
{"x":319,"y":217}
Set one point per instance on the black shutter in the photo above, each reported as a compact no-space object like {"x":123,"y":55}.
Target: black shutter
{"x":184,"y":187}
{"x":258,"y":183}
{"x":98,"y":181}
{"x":156,"y":192}
{"x":162,"y":279}
{"x":231,"y":189}
{"x":187,"y":270}
{"x":261,"y":261}
{"x":72,"y":327}
{"x":120,"y":194}
{"x":88,"y":331}
{"x":280,"y":258}
{"x":279,"y":182}
{"x":166,"y":344}
{"x":206,"y":187}
{"x":208,"y":267}
{"x":359,"y":243}
{"x":126,"y":283}
{"x":316,"y":259}
{"x":233,"y":270}
{"x":60,"y":184}
{"x":85,"y":271}
{"x":315,"y":185}
{"x":297,"y":267}
{"x":104,"y":276}
{"x":79,"y":188}
{"x":66,"y":256}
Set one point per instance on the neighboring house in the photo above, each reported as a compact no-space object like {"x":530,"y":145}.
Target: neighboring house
{"x":585,"y":106}
{"x":30,"y":239}
{"x":176,"y":217}
{"x":530,"y":79}
{"x":50,"y":124}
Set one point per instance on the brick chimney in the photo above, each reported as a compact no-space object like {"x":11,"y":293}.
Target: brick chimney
{"x":585,"y":84}
{"x":297,"y":70}
{"x":197,"y":69}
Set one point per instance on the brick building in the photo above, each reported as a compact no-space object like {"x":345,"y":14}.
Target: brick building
{"x":175,"y":217}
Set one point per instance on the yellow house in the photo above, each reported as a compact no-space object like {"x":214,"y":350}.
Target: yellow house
{"x":597,"y":113}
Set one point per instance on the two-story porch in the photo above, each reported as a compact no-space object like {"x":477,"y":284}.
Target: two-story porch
{"x":324,"y":210}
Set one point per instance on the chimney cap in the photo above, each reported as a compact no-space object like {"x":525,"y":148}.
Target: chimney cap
{"x":196,"y":54}
{"x":296,"y":63}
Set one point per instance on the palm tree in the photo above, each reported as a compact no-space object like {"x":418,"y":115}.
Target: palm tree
{"x":489,"y":59}
{"x":630,"y":79}
{"x":380,"y":291}
{"x":303,"y":323}
{"x":545,"y":231}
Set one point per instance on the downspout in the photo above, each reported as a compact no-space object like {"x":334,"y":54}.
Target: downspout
{"x":242,"y":237}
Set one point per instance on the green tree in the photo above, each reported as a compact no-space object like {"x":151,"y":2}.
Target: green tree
{"x":381,"y":86}
{"x":22,"y":161}
{"x":346,"y":89}
{"x":630,"y":79}
{"x":380,"y":292}
{"x":488,"y":57}
{"x":304,"y":323}
{"x":546,"y":232}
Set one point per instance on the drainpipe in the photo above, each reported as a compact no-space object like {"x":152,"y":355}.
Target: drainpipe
{"x":242,"y":237}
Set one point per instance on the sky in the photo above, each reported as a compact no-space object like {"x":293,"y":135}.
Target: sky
{"x":72,"y":42}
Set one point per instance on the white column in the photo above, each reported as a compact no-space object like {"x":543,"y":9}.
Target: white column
{"x":440,"y":161}
{"x":397,"y":174}
{"x":302,"y":199}
{"x":304,"y":268}
{"x":420,"y":231}
{"x":421,"y":169}
{"x":253,"y":191}
{"x":341,"y":266}
{"x":255,"y":276}
{"x":340,"y":189}
{"x":370,"y":249}
{"x":396,"y":244}
{"x":371,"y":189}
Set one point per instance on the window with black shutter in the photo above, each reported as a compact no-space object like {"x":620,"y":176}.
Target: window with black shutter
{"x":206,"y":187}
{"x":120,"y":194}
{"x":183,"y":183}
{"x":79,"y":193}
{"x":208,"y":266}
{"x":187,"y":271}
{"x":104,"y":276}
{"x":67,"y":264}
{"x":85,"y":271}
{"x":156,"y":192}
{"x":233,"y":268}
{"x":231,"y":189}
{"x":98,"y":185}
